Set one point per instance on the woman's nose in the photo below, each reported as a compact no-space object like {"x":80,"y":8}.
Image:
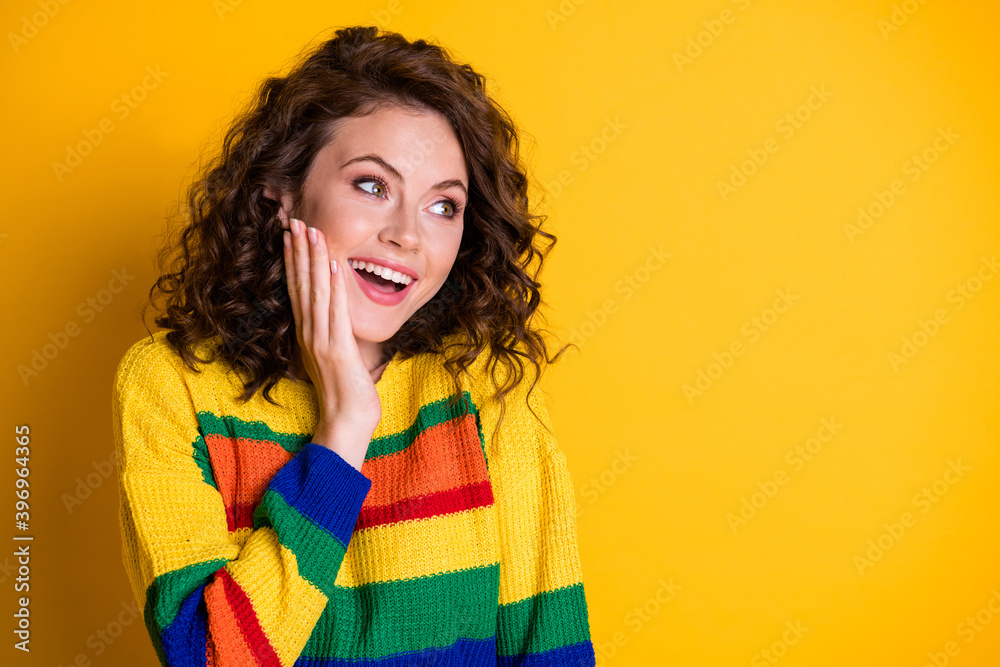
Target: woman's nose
{"x":401,"y":228}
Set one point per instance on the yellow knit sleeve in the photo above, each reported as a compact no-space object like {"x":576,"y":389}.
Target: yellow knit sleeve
{"x":542,"y":607}
{"x":206,"y":600}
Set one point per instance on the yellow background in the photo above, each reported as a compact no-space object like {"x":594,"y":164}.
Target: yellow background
{"x":656,"y":474}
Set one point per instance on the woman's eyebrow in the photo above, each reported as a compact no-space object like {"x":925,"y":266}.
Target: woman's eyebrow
{"x":377,"y":159}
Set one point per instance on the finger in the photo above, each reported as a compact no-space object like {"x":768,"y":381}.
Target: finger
{"x":320,"y":289}
{"x":293,"y":295}
{"x":300,"y":251}
{"x":341,"y":331}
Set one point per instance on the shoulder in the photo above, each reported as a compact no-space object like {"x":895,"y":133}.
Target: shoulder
{"x":486,"y":373}
{"x":520,"y":419}
{"x":488,"y":365}
{"x":150,"y":361}
{"x":144,"y":357}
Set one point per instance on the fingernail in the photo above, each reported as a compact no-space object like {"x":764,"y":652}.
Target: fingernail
{"x":333,"y":265}
{"x":295,"y":226}
{"x":287,"y":238}
{"x":312,"y":236}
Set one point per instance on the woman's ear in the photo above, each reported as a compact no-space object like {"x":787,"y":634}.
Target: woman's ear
{"x":284,"y":206}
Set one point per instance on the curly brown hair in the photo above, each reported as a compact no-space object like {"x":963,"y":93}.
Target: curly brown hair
{"x":226,"y":282}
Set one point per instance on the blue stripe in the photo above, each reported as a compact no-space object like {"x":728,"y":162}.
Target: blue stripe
{"x":462,"y":653}
{"x":324,"y":487}
{"x":577,"y":655}
{"x":184,"y":641}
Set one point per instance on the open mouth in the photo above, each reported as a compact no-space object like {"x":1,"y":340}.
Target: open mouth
{"x":381,"y":284}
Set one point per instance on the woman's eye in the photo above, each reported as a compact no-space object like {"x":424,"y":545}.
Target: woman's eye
{"x":376,"y":190}
{"x":448,"y":209}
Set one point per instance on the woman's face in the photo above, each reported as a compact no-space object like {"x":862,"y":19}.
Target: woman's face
{"x":390,"y":188}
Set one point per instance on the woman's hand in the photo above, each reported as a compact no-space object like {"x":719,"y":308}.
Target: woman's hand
{"x":348,"y":401}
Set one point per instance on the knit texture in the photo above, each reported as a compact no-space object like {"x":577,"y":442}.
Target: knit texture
{"x":247,"y":544}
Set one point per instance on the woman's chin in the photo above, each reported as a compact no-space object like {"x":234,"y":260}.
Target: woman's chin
{"x":374,"y":332}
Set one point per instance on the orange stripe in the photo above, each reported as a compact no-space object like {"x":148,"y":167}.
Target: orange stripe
{"x":224,"y":629}
{"x":243,"y":467}
{"x":439,"y":459}
{"x":209,"y":651}
{"x":263,"y":653}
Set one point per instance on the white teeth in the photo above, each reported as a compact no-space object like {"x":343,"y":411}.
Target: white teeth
{"x":382,"y":271}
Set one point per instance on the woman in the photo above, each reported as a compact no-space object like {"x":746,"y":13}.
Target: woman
{"x":304,"y":468}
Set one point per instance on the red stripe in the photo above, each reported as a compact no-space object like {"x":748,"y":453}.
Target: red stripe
{"x":239,"y":515}
{"x":479,"y":494}
{"x":253,"y":634}
{"x":458,"y":499}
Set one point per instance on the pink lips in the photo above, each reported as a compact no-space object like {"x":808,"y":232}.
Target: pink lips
{"x":382,"y":298}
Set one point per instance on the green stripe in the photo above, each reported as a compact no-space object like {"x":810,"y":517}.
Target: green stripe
{"x":429,"y":415}
{"x":203,"y":461}
{"x":482,"y":441}
{"x":149,"y":617}
{"x":318,"y":552}
{"x":169,"y":590}
{"x":234,"y":427}
{"x":381,"y":616}
{"x":543,"y":622}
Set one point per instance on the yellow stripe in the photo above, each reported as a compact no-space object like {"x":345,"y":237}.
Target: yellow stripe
{"x":182,"y":519}
{"x":179,"y":538}
{"x":420,"y":548}
{"x":264,"y":564}
{"x":532,"y":487}
{"x":240,"y":536}
{"x":538,"y":555}
{"x":300,"y":413}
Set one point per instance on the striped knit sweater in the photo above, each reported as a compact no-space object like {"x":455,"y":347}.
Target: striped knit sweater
{"x":247,"y":544}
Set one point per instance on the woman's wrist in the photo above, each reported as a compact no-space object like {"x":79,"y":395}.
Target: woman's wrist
{"x":351,"y":444}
